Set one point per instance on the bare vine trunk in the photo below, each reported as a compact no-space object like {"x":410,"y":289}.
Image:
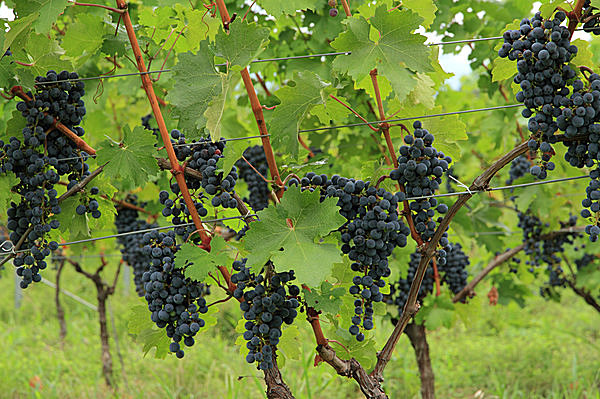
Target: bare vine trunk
{"x":60,"y":313}
{"x":418,"y":340}
{"x":276,"y":387}
{"x":107,"y":367}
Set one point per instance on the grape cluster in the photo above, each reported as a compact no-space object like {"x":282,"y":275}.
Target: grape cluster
{"x":201,"y":156}
{"x":372,"y":230}
{"x":146,"y":125}
{"x":420,"y":170}
{"x":453,"y":274}
{"x":519,"y":167}
{"x":175,"y":301}
{"x":128,"y":220}
{"x":545,"y":251}
{"x":34,"y":159}
{"x":333,"y":12}
{"x":592,"y":21}
{"x":268,"y":302}
{"x":258,"y":197}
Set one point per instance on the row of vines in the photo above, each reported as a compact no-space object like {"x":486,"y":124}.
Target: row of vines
{"x":305,"y":160}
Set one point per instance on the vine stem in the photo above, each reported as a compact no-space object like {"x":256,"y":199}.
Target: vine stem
{"x":346,"y":8}
{"x":411,"y":306}
{"x":575,"y":16}
{"x":257,"y":110}
{"x":176,"y":168}
{"x":388,"y":140}
{"x":79,"y":142}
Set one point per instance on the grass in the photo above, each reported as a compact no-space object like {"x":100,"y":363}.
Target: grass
{"x":545,"y":350}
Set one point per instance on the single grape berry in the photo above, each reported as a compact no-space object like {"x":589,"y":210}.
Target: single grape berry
{"x":333,"y":12}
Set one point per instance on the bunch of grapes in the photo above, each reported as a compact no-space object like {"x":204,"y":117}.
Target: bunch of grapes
{"x":592,"y":21}
{"x":202,"y":157}
{"x":268,"y":302}
{"x":333,"y":12}
{"x":519,"y":167}
{"x":372,"y":230}
{"x":175,"y":301}
{"x":420,"y":170}
{"x":34,"y":159}
{"x":146,"y":125}
{"x":258,"y":197}
{"x":453,"y":274}
{"x":128,"y":220}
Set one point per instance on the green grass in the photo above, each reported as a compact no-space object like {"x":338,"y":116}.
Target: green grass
{"x":545,"y":350}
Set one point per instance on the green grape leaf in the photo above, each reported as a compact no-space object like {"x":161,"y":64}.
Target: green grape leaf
{"x":327,"y":298}
{"x":243,"y":43}
{"x":44,"y":54}
{"x":73,"y":226}
{"x":233,"y":152}
{"x":277,"y":7}
{"x":448,"y":131}
{"x":145,"y":332}
{"x":7,"y":73}
{"x":290,"y":343}
{"x":397,"y":54}
{"x":584,"y":55}
{"x":14,"y":126}
{"x":286,"y":234}
{"x":83,"y":35}
{"x":214,"y":112}
{"x":296,"y":102}
{"x":365,"y":351}
{"x":46,"y":10}
{"x":331,"y":111}
{"x":425,"y":8}
{"x":547,"y":10}
{"x":437,"y":311}
{"x":503,"y":69}
{"x":202,"y":262}
{"x":130,"y":163}
{"x":424,"y":92}
{"x":197,"y":83}
{"x":18,"y":27}
{"x":7,"y":182}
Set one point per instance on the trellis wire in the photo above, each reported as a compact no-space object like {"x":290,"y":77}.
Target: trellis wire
{"x":541,"y":182}
{"x":467,"y":111}
{"x":295,"y":57}
{"x":535,"y":183}
{"x":64,"y":244}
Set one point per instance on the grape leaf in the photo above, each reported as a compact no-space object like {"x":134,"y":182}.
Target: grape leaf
{"x":6,"y":195}
{"x":277,"y":7}
{"x":44,"y":54}
{"x":47,"y":10}
{"x":243,"y":43}
{"x":7,"y":72}
{"x":85,"y":34}
{"x":130,"y":162}
{"x":327,"y":298}
{"x":140,"y":325}
{"x":197,"y":83}
{"x":74,"y":226}
{"x":548,"y":9}
{"x":202,"y":262}
{"x":17,"y":27}
{"x":290,"y":344}
{"x":584,"y":55}
{"x":398,"y":53}
{"x":425,"y":8}
{"x":448,"y":130}
{"x":286,"y":234}
{"x":233,"y":152}
{"x":296,"y":101}
{"x":331,"y":111}
{"x":503,"y":69}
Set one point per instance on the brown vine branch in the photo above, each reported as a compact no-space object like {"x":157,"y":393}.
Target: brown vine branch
{"x":176,"y":169}
{"x":411,"y":306}
{"x":346,"y":8}
{"x":575,"y":16}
